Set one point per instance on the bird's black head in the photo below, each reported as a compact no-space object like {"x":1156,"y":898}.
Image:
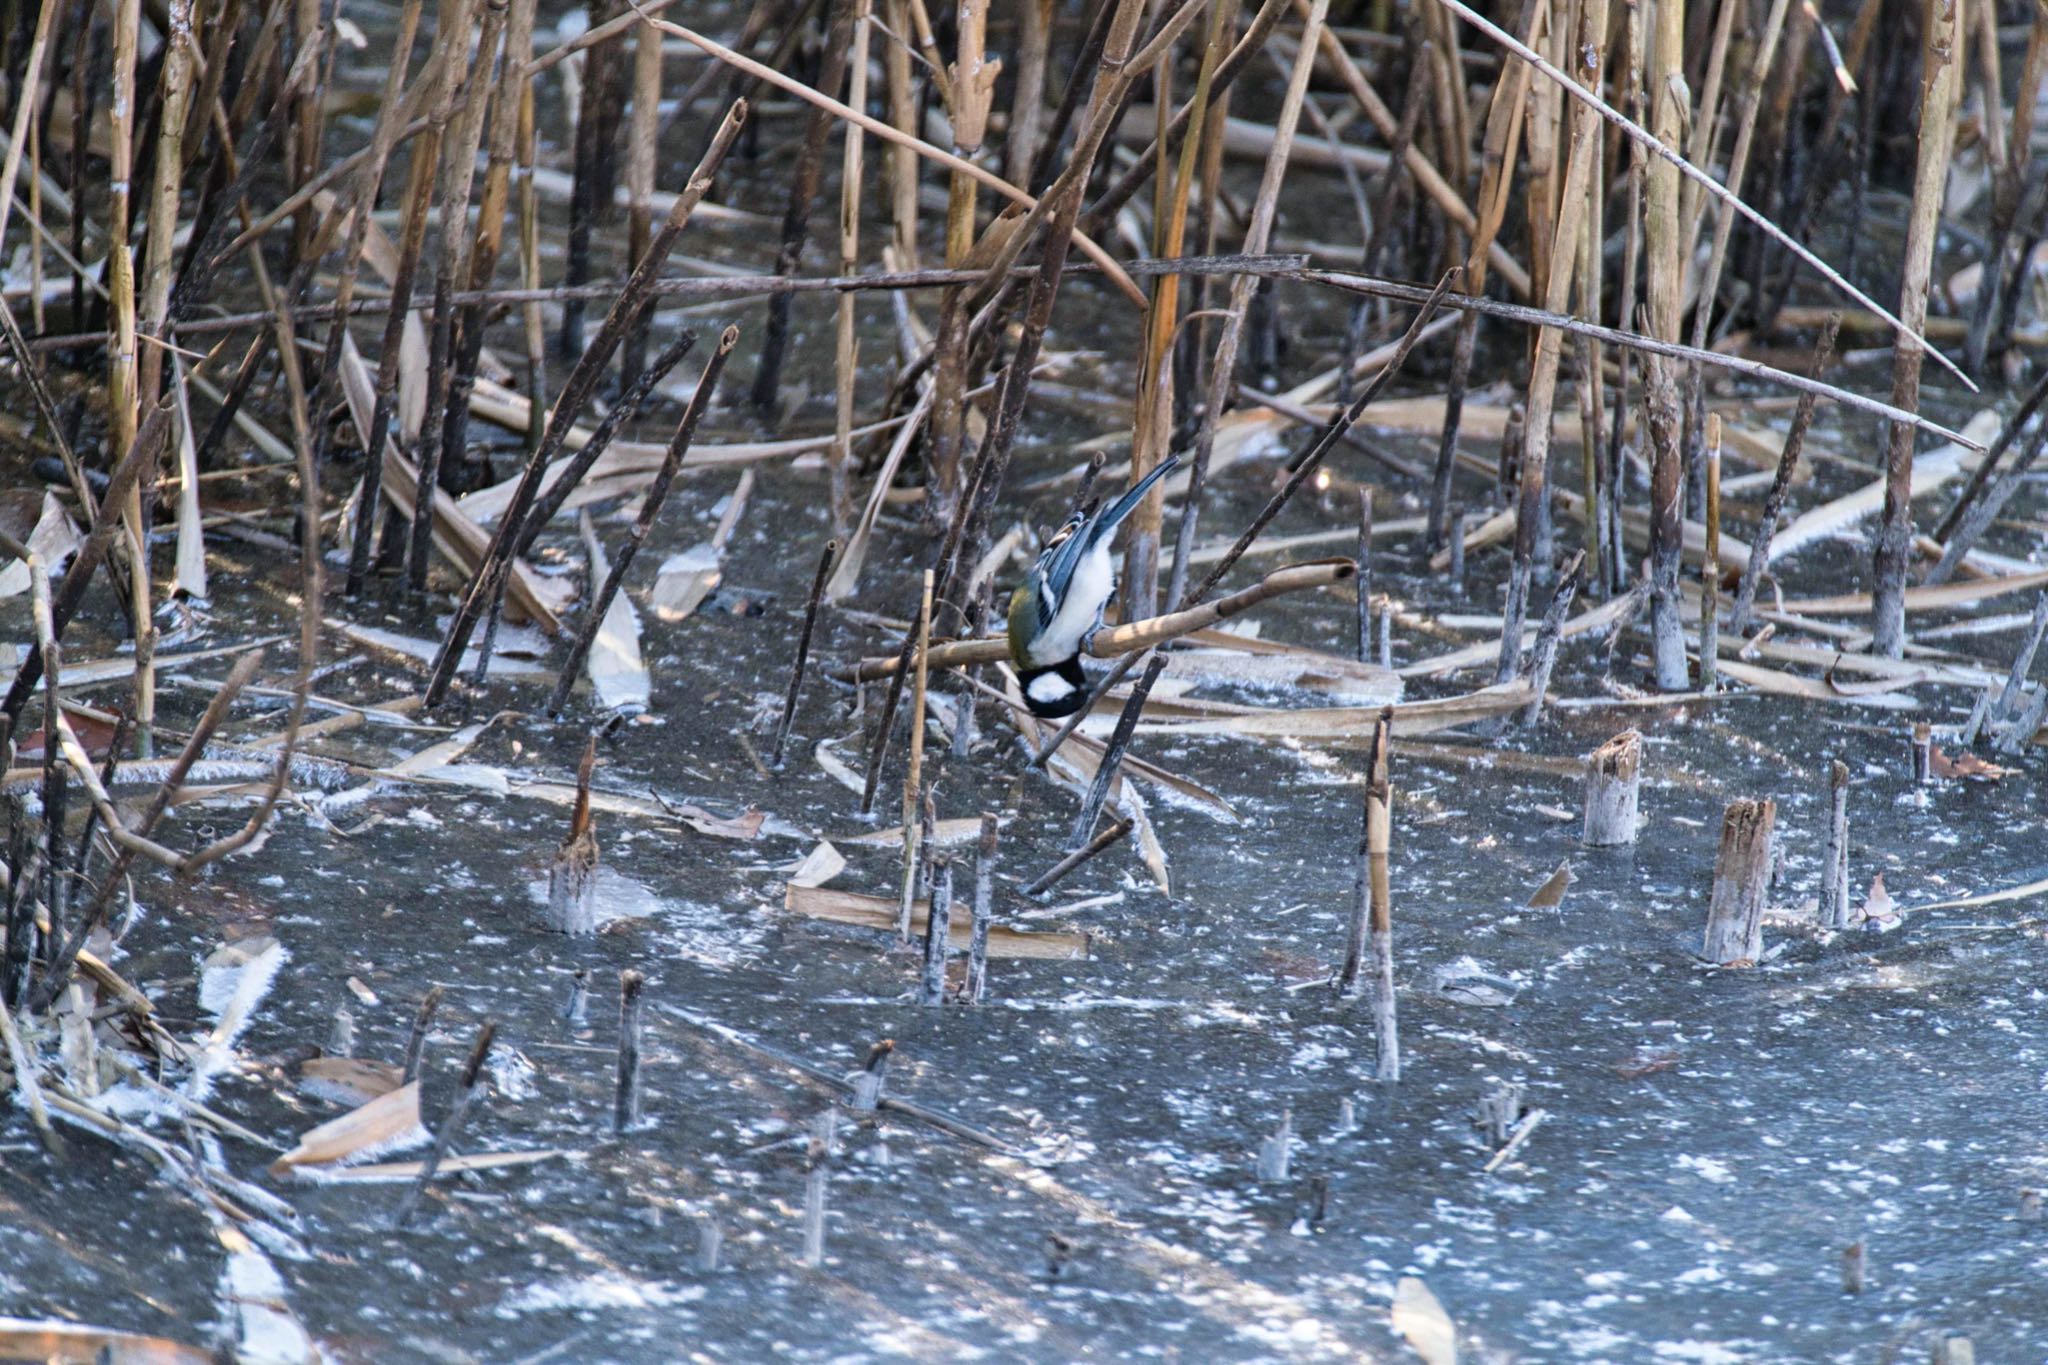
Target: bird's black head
{"x":1053,"y":692}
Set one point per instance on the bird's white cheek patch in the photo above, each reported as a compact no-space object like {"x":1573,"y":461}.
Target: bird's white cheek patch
{"x":1049,"y":687}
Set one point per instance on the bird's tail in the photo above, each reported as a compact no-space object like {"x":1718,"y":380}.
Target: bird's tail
{"x":1106,"y":524}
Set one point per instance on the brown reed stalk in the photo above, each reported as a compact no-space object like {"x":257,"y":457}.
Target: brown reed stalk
{"x":458,"y":175}
{"x":411,"y":234}
{"x":913,"y":775}
{"x":1154,"y":398}
{"x":1504,"y":121}
{"x":846,"y":348}
{"x":803,"y":192}
{"x":1663,"y":237}
{"x":1552,"y":267}
{"x":1781,"y":483}
{"x":123,"y":392}
{"x":27,"y":103}
{"x":534,"y":332}
{"x":512,"y":97}
{"x":970,"y":89}
{"x":1710,"y":563}
{"x":1027,"y":101}
{"x":642,"y":137}
{"x":1940,"y":87}
{"x":2002,"y":265}
{"x":803,"y":653}
{"x":1061,"y":206}
{"x":903,"y":158}
{"x":601,"y":97}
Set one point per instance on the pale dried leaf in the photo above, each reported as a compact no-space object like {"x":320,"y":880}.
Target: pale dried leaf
{"x":879,"y":912}
{"x":1422,"y":1320}
{"x":613,"y":665}
{"x":685,"y":580}
{"x":385,"y":1124}
{"x":819,"y":866}
{"x":1550,"y":895}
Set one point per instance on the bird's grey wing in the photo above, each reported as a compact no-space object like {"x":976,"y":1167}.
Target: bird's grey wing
{"x":1062,"y":554}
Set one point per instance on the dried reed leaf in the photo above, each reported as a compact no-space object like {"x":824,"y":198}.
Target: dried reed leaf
{"x":819,"y":866}
{"x":385,"y":1123}
{"x":614,"y":665}
{"x":879,"y":912}
{"x":65,"y":1342}
{"x":1423,"y":1322}
{"x":1924,"y":599}
{"x":1930,"y":472}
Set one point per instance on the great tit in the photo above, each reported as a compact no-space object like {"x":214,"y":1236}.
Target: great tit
{"x":1059,"y":605}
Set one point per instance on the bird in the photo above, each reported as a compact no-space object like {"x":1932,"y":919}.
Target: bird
{"x":1058,"y":607}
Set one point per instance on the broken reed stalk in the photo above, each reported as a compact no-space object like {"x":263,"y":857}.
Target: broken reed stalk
{"x":1111,"y":835}
{"x":1742,"y":874}
{"x":1834,"y":861}
{"x":486,"y":589}
{"x":1379,"y":798}
{"x":823,"y":1135}
{"x":938,"y":926}
{"x":1710,"y":562}
{"x":1112,"y":755}
{"x":1940,"y":87}
{"x":551,"y":499}
{"x":1277,"y":1150}
{"x":1543,"y":658}
{"x":803,"y":653}
{"x":865,"y":1088}
{"x":472,"y":1072}
{"x":1614,"y":774}
{"x":1364,"y":571}
{"x":572,"y":875}
{"x":416,"y":1037}
{"x":626,"y":1090}
{"x":1781,"y":482}
{"x":897,"y":671}
{"x":976,"y":990}
{"x":2022,"y":663}
{"x":913,"y":774}
{"x":643,"y":524}
{"x":1852,"y":1268}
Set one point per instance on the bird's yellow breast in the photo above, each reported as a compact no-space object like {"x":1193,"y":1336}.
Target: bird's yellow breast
{"x":1023,"y":623}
